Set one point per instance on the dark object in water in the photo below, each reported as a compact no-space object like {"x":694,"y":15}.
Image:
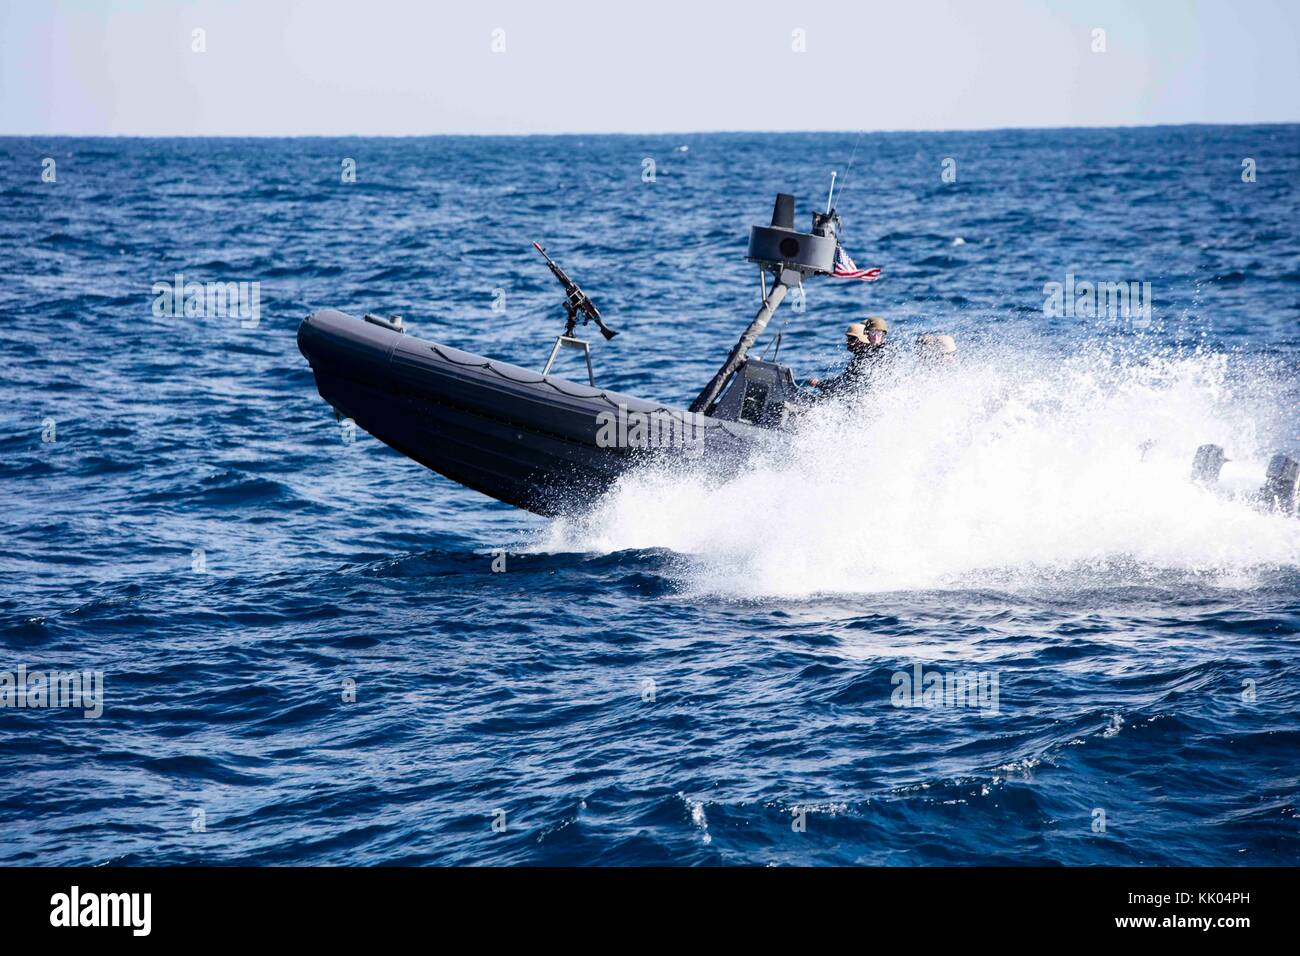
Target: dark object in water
{"x":1281,"y":488}
{"x":1281,"y":482}
{"x":1207,"y":464}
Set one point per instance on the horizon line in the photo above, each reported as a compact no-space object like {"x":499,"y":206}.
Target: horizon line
{"x":711,"y":132}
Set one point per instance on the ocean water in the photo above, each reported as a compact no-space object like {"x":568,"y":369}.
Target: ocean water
{"x":308,"y":657}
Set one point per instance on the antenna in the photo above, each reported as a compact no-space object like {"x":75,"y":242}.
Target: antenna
{"x":852,"y":158}
{"x":831,"y":195}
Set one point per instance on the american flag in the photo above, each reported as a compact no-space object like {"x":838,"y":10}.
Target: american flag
{"x":846,"y":269}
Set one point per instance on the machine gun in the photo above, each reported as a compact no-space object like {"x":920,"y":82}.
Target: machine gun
{"x":576,"y":302}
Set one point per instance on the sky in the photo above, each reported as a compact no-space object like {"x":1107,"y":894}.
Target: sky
{"x":406,"y":67}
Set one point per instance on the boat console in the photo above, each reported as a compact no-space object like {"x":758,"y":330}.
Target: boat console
{"x":760,"y":393}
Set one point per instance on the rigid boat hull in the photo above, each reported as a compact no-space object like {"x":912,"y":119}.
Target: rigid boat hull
{"x":536,"y":442}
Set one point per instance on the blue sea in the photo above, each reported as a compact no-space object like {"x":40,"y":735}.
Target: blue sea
{"x":314,"y":651}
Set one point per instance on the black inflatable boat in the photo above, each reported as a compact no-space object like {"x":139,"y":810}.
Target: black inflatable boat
{"x":534,"y":441}
{"x":540,"y":442}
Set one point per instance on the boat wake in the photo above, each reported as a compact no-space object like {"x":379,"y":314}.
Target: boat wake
{"x":1005,"y":468}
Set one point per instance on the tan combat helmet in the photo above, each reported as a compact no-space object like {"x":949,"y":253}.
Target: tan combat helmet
{"x":877,"y":324}
{"x":936,"y":346}
{"x":856,"y":331}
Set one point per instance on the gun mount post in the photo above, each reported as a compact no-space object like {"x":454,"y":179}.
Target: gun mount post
{"x":705,"y":401}
{"x":568,"y":341}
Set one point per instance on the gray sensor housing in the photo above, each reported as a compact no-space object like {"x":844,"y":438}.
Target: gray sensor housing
{"x":779,"y":246}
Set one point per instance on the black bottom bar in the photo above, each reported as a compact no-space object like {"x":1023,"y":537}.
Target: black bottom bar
{"x":333,"y":905}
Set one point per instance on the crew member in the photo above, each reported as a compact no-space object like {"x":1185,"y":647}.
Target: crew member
{"x":936,"y":348}
{"x":866,"y":344}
